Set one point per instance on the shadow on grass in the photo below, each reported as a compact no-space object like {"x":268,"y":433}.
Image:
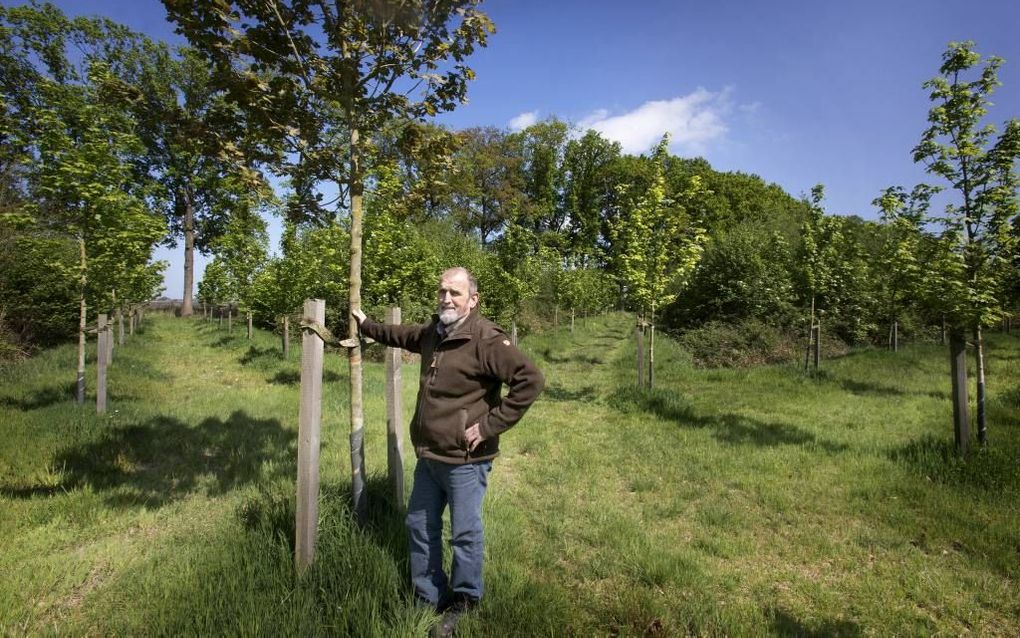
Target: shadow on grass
{"x":865,"y":387}
{"x":293,"y":377}
{"x":994,"y":469}
{"x":40,"y":398}
{"x":548,"y":355}
{"x":255,"y":353}
{"x":165,"y":459}
{"x":557,"y":392}
{"x":731,"y":428}
{"x":785,"y":624}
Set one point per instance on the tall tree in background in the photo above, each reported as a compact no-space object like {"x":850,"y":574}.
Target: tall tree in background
{"x":588,"y":189}
{"x":320,"y":77}
{"x":542,"y":148}
{"x":488,"y":187}
{"x":980,"y":169}
{"x":197,"y":149}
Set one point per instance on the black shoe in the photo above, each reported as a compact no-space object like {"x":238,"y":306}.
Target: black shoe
{"x":448,"y":624}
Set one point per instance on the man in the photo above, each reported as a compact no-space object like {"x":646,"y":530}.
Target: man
{"x":458,"y":417}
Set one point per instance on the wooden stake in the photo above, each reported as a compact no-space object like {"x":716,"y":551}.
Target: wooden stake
{"x":286,"y":336}
{"x":513,"y":332}
{"x":639,"y":335}
{"x":120,"y":326}
{"x":249,"y":326}
{"x":309,"y":420}
{"x":394,"y":417}
{"x":818,"y":344}
{"x":651,"y":356}
{"x":109,"y":343}
{"x":958,"y":371}
{"x":102,"y":359}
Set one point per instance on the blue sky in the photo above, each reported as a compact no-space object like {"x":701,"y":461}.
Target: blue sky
{"x":798,"y":92}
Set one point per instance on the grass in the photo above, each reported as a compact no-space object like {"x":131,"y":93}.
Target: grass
{"x":724,"y":502}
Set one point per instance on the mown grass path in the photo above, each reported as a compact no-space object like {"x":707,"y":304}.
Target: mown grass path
{"x":724,"y":502}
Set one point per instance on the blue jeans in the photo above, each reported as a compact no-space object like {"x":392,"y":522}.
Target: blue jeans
{"x":462,"y":487}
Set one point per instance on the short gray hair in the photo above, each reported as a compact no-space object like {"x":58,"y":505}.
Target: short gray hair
{"x":472,"y":282}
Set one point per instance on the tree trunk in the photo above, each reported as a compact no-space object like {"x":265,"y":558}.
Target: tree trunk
{"x":358,"y":495}
{"x":189,"y":252}
{"x":979,"y":356}
{"x":958,"y":374}
{"x":80,"y":385}
{"x":811,"y":335}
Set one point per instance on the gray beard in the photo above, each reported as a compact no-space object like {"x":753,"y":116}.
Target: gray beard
{"x":446,"y":317}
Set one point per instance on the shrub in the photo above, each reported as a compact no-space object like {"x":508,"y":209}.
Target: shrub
{"x":750,"y":342}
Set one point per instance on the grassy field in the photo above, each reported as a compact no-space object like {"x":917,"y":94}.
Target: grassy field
{"x":725,"y":502}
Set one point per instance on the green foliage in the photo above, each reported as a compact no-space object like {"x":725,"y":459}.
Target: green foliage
{"x":308,"y":74}
{"x":657,"y":242}
{"x":960,"y":148}
{"x":744,"y":343}
{"x":80,"y":149}
{"x":38,"y":303}
{"x":744,"y":273}
{"x":399,"y":266}
{"x":241,"y":252}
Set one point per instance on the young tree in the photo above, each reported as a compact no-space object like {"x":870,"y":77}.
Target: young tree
{"x":83,"y":148}
{"x":320,"y":76}
{"x":899,"y":266}
{"x":980,"y":168}
{"x":659,"y":243}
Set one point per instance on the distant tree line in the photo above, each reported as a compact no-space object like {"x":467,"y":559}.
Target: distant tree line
{"x":109,"y":152}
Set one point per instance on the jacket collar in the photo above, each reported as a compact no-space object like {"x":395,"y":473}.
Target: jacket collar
{"x":463,"y":330}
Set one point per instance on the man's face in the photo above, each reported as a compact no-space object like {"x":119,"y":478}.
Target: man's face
{"x":455,"y":300}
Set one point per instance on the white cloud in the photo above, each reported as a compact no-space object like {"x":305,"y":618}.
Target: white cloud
{"x":693,"y":122}
{"x":524,"y":120}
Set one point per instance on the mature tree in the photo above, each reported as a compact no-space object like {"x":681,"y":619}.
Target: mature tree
{"x":488,"y":186}
{"x":542,"y":148}
{"x":321,"y":76}
{"x":980,"y":168}
{"x":588,"y":190}
{"x":198,"y":150}
{"x":745,"y":273}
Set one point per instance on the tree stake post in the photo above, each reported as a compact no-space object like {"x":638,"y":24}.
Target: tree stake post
{"x":958,"y":369}
{"x":102,"y":360}
{"x":309,"y":423}
{"x":394,"y":417}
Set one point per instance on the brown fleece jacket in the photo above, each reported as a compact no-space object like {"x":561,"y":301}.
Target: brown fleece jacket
{"x":460,"y":380}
